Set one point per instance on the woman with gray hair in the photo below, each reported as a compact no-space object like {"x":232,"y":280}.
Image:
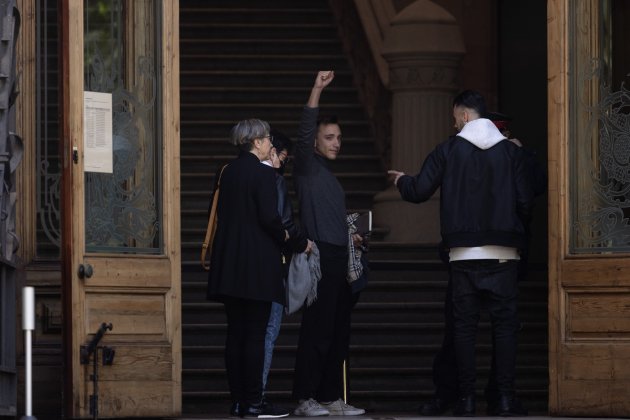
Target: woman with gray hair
{"x":245,"y":264}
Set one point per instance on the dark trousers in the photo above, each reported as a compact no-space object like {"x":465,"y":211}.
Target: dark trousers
{"x":325,"y":331}
{"x":445,"y":361}
{"x":245,"y":348}
{"x":493,"y":284}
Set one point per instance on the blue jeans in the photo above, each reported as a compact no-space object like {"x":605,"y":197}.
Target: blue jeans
{"x":273,"y":329}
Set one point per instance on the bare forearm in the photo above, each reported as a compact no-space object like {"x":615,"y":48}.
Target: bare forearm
{"x":313,"y":100}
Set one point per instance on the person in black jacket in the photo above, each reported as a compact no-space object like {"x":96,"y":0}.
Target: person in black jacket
{"x":485,"y":204}
{"x":246,"y":264}
{"x":278,"y":158}
{"x":444,"y":367}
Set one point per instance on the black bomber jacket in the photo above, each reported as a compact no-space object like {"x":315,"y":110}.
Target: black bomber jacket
{"x":486,"y":194}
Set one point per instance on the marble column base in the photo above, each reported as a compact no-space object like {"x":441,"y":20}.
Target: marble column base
{"x":407,"y":222}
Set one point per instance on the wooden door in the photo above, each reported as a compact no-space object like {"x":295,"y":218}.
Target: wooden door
{"x":589,"y":207}
{"x":120,"y":207}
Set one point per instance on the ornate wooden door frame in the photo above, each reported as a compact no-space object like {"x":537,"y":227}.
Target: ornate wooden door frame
{"x":589,"y":289}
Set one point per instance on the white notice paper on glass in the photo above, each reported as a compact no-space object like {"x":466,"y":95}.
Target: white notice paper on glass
{"x":97,"y":132}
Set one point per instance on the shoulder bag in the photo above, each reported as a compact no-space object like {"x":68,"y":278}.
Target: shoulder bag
{"x":212,"y":225}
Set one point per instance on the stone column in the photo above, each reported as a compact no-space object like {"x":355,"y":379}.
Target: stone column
{"x":423,"y":49}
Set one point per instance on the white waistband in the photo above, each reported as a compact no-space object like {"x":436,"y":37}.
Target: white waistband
{"x":486,"y":252}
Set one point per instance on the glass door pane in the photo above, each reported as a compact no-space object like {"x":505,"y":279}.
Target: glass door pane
{"x":599,"y":126}
{"x":47,"y":130}
{"x":122,"y":58}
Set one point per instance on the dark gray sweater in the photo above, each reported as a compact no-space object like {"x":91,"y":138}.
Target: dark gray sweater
{"x":321,"y":197}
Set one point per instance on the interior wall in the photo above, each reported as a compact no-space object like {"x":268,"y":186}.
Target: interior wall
{"x":522,"y":91}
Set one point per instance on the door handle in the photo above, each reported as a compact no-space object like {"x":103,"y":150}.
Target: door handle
{"x":85,"y":271}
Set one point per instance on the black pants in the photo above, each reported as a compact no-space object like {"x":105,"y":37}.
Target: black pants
{"x":325,"y":331}
{"x":445,"y":361}
{"x":245,"y":348}
{"x":493,"y":284}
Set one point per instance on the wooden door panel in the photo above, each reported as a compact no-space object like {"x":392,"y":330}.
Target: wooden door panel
{"x":118,"y":271}
{"x":596,"y":361}
{"x":598,"y":314}
{"x":594,"y":272}
{"x":598,"y":398}
{"x":134,"y":316}
{"x":135,"y":362}
{"x":140,"y":398}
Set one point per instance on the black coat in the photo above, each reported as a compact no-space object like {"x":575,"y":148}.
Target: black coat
{"x":486,"y":195}
{"x":246,"y":261}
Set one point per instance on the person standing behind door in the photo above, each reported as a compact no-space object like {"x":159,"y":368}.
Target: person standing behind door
{"x":324,"y":332}
{"x":485,"y":204}
{"x":246,"y":264}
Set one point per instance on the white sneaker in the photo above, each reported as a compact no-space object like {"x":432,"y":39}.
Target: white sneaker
{"x":310,"y":408}
{"x":340,"y":408}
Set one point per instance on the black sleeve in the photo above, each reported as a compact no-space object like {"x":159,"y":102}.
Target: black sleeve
{"x":304,"y":147}
{"x":524,"y":187}
{"x":297,"y":241}
{"x":419,"y":188}
{"x":266,"y":196}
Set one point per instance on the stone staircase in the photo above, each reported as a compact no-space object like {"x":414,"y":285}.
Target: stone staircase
{"x":246,"y":58}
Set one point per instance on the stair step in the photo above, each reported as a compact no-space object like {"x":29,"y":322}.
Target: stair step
{"x":236,"y":30}
{"x":237,"y":95}
{"x":271,"y":111}
{"x":259,"y":63}
{"x":374,"y":182}
{"x":360,"y":379}
{"x":262,"y":47}
{"x":220,"y":145}
{"x":192,"y":77}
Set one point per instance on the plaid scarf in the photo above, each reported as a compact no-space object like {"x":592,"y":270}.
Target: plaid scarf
{"x":355,"y":268}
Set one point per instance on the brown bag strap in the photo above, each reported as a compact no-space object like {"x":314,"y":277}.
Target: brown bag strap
{"x":212,"y":226}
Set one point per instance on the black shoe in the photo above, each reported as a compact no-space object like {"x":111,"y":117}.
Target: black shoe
{"x":465,"y":407}
{"x":263,"y":410}
{"x":435,"y":407}
{"x":509,"y":406}
{"x":491,"y":408}
{"x":235,"y":410}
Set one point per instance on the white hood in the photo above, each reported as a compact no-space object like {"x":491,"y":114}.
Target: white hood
{"x":482,"y":133}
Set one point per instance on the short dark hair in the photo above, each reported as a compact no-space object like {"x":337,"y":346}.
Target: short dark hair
{"x":471,"y":99}
{"x":281,"y":141}
{"x":327,"y":119}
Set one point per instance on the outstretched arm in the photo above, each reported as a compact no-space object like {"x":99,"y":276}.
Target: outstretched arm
{"x":422,"y":186}
{"x":304,"y":147}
